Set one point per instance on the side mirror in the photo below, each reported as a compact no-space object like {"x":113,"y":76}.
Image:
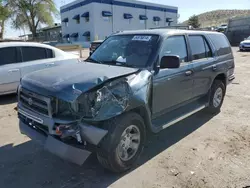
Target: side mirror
{"x":170,"y":62}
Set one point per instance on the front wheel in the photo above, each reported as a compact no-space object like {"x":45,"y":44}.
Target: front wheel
{"x":217,"y":93}
{"x":123,"y":144}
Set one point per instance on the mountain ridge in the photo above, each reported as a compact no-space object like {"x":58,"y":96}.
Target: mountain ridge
{"x":218,"y":17}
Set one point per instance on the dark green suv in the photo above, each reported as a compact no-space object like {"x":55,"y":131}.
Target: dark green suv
{"x":135,"y":82}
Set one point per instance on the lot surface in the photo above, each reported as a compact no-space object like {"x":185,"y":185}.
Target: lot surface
{"x":201,"y":151}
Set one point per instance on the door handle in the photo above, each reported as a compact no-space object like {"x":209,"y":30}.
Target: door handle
{"x":214,"y":67}
{"x":49,"y":64}
{"x":13,"y":70}
{"x":188,"y":73}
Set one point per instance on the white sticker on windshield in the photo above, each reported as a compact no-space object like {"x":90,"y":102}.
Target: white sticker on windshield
{"x":141,"y":38}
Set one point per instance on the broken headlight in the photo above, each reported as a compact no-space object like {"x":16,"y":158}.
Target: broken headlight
{"x":108,"y":101}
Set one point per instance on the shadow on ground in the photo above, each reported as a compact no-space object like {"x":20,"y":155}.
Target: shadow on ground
{"x":8,"y":99}
{"x":27,"y":165}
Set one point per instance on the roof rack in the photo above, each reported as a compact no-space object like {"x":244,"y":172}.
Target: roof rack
{"x":183,"y":28}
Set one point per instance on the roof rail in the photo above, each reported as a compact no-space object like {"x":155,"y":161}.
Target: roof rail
{"x":183,"y":28}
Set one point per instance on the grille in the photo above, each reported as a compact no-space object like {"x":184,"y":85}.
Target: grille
{"x":35,"y":102}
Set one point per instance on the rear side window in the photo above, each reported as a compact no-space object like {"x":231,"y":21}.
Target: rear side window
{"x":33,"y":53}
{"x":8,"y":55}
{"x":197,"y":47}
{"x":221,"y":43}
{"x":50,"y":53}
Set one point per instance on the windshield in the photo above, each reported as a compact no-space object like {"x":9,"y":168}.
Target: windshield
{"x":126,"y":50}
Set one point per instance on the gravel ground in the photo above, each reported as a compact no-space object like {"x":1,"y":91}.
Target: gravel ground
{"x":201,"y":151}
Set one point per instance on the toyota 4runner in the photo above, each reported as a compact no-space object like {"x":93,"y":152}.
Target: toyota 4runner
{"x":135,"y":81}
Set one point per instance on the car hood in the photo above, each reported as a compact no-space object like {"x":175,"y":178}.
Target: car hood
{"x":245,"y":41}
{"x":67,"y":82}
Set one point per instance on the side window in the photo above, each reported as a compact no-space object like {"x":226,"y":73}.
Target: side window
{"x":175,"y":45}
{"x":208,"y":49}
{"x":33,"y":53}
{"x":8,"y":55}
{"x":197,"y":47}
{"x":50,"y":53}
{"x":221,"y":43}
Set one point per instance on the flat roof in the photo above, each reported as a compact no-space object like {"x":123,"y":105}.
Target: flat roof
{"x":128,"y":3}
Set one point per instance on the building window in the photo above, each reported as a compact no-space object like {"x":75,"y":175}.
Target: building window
{"x":85,"y":16}
{"x":77,"y":18}
{"x":156,"y":20}
{"x":107,"y":15}
{"x":86,"y":35}
{"x":143,"y":19}
{"x":66,"y":20}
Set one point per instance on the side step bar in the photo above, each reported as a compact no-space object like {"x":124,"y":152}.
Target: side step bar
{"x":172,"y":117}
{"x":183,"y":117}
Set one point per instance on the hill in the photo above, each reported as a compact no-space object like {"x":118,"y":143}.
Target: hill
{"x":218,"y":17}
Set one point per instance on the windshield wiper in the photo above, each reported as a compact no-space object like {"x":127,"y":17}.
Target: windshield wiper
{"x":93,"y":60}
{"x":118,"y":63}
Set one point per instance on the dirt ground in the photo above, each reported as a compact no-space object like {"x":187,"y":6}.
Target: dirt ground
{"x":199,"y":152}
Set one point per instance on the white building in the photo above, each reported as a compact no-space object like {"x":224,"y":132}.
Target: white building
{"x":87,"y":20}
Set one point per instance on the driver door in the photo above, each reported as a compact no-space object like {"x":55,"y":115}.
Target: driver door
{"x":171,"y":87}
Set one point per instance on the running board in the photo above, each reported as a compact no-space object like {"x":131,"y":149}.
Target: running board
{"x":183,"y":117}
{"x":173,"y":117}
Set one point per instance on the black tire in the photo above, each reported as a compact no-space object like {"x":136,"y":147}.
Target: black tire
{"x":216,"y":85}
{"x":107,"y":154}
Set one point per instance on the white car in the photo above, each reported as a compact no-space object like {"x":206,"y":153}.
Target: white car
{"x":20,"y":58}
{"x":245,"y":44}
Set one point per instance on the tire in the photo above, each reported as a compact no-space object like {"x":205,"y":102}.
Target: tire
{"x":214,"y":107}
{"x":108,"y":154}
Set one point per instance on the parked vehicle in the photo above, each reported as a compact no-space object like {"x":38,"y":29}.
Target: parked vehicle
{"x":245,"y":44}
{"x":94,"y":45}
{"x":19,"y":58}
{"x":135,"y":81}
{"x":222,"y":28}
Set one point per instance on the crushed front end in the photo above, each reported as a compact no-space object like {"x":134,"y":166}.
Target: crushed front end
{"x":71,"y":129}
{"x":48,"y":121}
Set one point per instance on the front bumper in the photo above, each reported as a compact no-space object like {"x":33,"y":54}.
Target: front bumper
{"x":65,"y":151}
{"x":243,"y":47}
{"x":28,"y":121}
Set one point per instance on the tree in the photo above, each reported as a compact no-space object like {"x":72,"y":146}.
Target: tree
{"x":194,"y":21}
{"x":31,"y":13}
{"x":4,"y":15}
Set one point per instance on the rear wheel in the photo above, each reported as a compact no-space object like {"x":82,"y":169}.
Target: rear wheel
{"x":124,"y":142}
{"x":216,"y":98}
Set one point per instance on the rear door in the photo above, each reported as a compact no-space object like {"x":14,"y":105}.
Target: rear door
{"x":36,"y":58}
{"x":202,"y":64}
{"x":9,"y":69}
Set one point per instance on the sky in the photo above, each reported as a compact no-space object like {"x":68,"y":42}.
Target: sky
{"x":186,"y":8}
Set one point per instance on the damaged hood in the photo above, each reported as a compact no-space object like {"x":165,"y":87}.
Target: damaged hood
{"x":67,"y":82}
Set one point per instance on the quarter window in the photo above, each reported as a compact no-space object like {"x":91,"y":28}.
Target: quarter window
{"x":221,"y":43}
{"x":175,"y":45}
{"x":33,"y":53}
{"x":8,"y":55}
